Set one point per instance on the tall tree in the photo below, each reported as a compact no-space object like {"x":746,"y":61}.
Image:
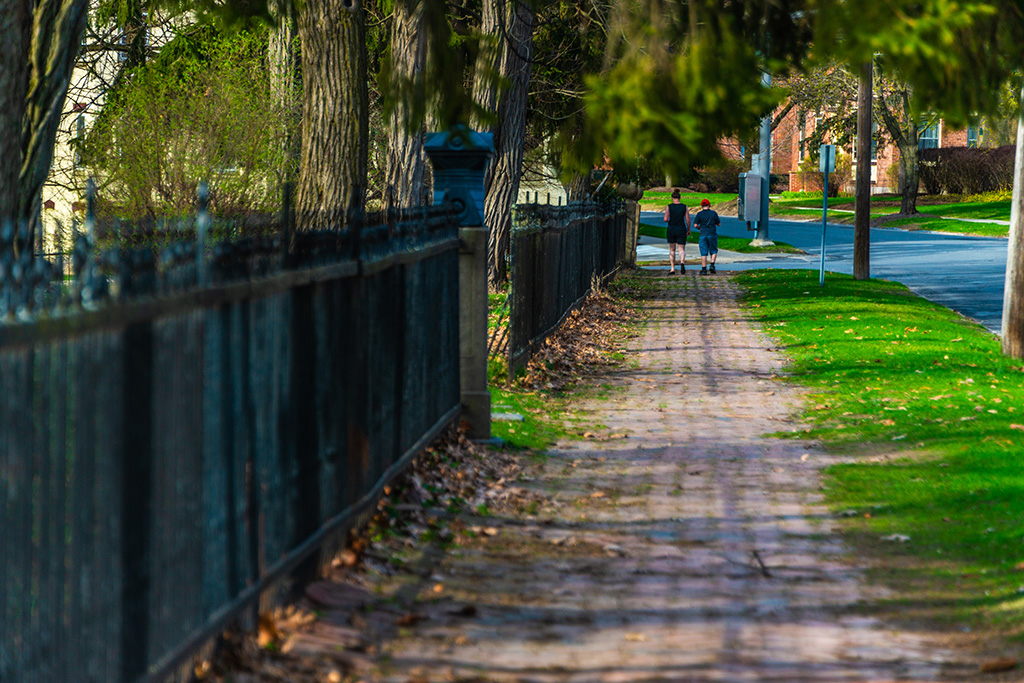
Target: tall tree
{"x":335,"y":105}
{"x":513,"y":26}
{"x":406,"y":168}
{"x":901,"y":121}
{"x":38,"y":45}
{"x":283,"y":58}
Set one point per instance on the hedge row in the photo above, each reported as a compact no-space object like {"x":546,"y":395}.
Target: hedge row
{"x":966,"y":170}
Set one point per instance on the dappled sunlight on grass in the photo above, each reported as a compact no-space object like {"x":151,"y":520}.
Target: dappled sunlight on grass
{"x":933,"y":409}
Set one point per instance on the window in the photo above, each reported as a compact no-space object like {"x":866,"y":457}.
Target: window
{"x":929,"y":137}
{"x":974,"y":135}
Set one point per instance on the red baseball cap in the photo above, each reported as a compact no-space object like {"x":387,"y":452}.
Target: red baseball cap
{"x":705,"y":202}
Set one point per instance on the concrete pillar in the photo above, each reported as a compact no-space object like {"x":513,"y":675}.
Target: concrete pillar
{"x":476,"y":398}
{"x":460,"y":157}
{"x":632,"y":194}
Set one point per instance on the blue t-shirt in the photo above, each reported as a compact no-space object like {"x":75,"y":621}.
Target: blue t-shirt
{"x":707,"y":222}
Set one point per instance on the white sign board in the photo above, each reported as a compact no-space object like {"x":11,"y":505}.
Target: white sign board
{"x":827,"y":159}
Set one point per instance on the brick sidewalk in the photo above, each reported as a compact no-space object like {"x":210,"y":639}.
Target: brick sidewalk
{"x":693,"y":549}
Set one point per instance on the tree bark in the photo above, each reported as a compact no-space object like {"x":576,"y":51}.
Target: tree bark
{"x":38,"y":45}
{"x":335,"y":116}
{"x":1013,"y":290}
{"x":285,"y":78}
{"x":406,"y":161}
{"x":509,"y":139}
{"x":909,"y":177}
{"x":15,"y":36}
{"x":488,"y":63}
{"x":862,"y":206}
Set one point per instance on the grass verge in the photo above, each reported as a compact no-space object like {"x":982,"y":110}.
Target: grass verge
{"x":933,"y":417}
{"x":544,"y":395}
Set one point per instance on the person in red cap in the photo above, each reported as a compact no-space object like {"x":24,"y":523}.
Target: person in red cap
{"x":707,"y":222}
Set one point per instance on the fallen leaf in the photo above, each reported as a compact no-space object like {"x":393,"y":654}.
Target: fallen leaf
{"x":410,"y":619}
{"x":438,"y":587}
{"x":588,"y":435}
{"x":267,"y":633}
{"x":597,"y":494}
{"x":1013,"y":426}
{"x":889,"y":422}
{"x":490,"y":531}
{"x":636,"y":637}
{"x":804,"y":457}
{"x":997,"y":665}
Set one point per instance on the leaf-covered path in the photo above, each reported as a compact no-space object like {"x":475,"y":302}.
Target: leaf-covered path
{"x":694,"y":548}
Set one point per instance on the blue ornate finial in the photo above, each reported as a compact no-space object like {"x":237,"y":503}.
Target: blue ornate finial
{"x":460,"y":157}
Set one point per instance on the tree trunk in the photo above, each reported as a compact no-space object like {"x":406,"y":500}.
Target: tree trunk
{"x":909,"y":177}
{"x":406,"y":161}
{"x":15,"y":32}
{"x":488,"y":63}
{"x":510,"y":138}
{"x":579,"y":188}
{"x":335,"y":116}
{"x":285,"y":78}
{"x":57,"y":30}
{"x":862,"y":215}
{"x":1013,"y":290}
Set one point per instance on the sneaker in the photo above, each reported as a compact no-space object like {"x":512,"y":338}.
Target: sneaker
{"x":711,"y":269}
{"x":682,"y":269}
{"x":703,"y":271}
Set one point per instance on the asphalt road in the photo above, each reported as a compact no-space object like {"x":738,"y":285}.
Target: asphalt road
{"x":960,"y":272}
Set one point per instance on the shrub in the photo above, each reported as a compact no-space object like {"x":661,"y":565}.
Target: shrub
{"x":966,"y":170}
{"x":724,"y":176}
{"x":842,"y":177}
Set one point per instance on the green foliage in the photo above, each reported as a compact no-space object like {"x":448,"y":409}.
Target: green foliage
{"x":837,"y":180}
{"x":897,"y":375}
{"x":674,"y":112}
{"x":200,"y":110}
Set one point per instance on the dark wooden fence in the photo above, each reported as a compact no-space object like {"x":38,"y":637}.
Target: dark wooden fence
{"x":558,"y":254}
{"x":183,"y":424}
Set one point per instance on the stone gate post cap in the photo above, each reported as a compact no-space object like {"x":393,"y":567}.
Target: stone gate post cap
{"x":459,"y":142}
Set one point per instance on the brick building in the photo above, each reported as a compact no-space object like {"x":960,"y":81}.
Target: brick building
{"x":790,"y":148}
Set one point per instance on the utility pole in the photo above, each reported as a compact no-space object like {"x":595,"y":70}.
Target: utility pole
{"x":764,"y":158}
{"x":862,"y":199}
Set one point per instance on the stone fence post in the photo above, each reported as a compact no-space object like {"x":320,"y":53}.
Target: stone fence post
{"x":460,"y":157}
{"x":632,"y":194}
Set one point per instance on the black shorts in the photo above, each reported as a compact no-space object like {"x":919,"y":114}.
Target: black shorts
{"x":677,"y":236}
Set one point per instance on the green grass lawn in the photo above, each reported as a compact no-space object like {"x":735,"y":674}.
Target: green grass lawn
{"x":933,"y":417}
{"x":738,"y":244}
{"x":657,"y":201}
{"x":938,"y":224}
{"x":936,"y":212}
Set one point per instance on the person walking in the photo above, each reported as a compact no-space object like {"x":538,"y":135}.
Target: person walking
{"x":677,"y":216}
{"x":707,"y":222}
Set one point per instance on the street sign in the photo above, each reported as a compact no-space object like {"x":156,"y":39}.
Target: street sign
{"x":827,"y":159}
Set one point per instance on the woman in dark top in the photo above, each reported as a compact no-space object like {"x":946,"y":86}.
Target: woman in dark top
{"x":678,"y":218}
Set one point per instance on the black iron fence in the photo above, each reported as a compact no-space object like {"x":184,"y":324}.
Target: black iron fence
{"x":186,"y":421}
{"x":558,"y":254}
